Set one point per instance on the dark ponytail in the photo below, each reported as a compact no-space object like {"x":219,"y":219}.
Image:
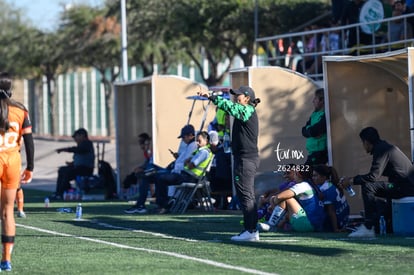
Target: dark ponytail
{"x":330,"y":173}
{"x":5,"y":93}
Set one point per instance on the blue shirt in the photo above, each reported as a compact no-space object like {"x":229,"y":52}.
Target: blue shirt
{"x":331,"y":195}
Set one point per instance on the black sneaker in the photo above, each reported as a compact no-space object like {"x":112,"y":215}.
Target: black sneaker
{"x":134,"y":209}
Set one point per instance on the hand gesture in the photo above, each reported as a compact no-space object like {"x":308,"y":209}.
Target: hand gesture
{"x":203,"y":94}
{"x":344,"y":182}
{"x":26,"y":176}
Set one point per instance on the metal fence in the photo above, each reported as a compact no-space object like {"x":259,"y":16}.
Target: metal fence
{"x":293,"y":51}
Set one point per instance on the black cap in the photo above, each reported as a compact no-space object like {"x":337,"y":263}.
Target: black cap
{"x":186,"y":130}
{"x":80,"y":131}
{"x":244,"y":90}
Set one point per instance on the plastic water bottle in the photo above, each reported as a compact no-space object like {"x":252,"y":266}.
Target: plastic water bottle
{"x":277,"y":215}
{"x":47,"y":201}
{"x":79,"y":211}
{"x":226,"y":143}
{"x":350,"y":191}
{"x":383,"y":226}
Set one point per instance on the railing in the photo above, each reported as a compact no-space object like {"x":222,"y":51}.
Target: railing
{"x":294,"y":50}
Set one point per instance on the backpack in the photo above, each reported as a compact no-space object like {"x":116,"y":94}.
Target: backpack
{"x":107,"y":175}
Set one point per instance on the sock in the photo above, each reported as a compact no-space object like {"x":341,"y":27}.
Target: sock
{"x":20,"y":199}
{"x":8,"y":243}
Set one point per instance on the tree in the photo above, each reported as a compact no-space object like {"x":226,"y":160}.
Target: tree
{"x":147,"y":44}
{"x":47,"y":59}
{"x":15,"y":39}
{"x":221,"y":30}
{"x":93,"y":39}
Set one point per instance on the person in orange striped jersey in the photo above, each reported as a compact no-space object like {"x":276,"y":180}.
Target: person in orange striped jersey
{"x":14,"y":125}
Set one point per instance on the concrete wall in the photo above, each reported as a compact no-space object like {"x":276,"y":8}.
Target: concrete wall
{"x":159,"y":106}
{"x":286,"y":104}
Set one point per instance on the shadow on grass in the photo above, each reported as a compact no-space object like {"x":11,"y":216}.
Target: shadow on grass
{"x":197,"y":225}
{"x":201,"y":227}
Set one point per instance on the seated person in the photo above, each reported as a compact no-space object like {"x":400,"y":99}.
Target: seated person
{"x":299,"y":205}
{"x":388,"y":161}
{"x":195,"y":167}
{"x":220,"y":172}
{"x":144,"y":141}
{"x":187,"y":147}
{"x":82,"y":165}
{"x":334,"y":201}
{"x":263,"y":212}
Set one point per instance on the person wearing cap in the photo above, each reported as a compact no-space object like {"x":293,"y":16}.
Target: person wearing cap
{"x":82,"y":165}
{"x":187,"y":147}
{"x":194,"y":168}
{"x":244,"y":137}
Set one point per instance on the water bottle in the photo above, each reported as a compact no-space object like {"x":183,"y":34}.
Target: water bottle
{"x":277,"y":215}
{"x":350,"y":191}
{"x":226,"y":143}
{"x":79,"y":211}
{"x":47,"y":201}
{"x":383,"y":226}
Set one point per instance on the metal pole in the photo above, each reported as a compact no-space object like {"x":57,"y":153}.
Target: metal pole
{"x":191,"y":111}
{"x":124,"y":42}
{"x":256,"y":34}
{"x":204,"y":116}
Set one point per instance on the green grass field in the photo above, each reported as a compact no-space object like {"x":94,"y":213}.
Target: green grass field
{"x":107,"y":241}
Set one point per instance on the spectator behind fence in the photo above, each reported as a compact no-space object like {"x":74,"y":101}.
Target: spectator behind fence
{"x":350,"y":16}
{"x":82,"y":165}
{"x":400,"y":30}
{"x":335,"y":203}
{"x":310,"y":47}
{"x":388,"y":161}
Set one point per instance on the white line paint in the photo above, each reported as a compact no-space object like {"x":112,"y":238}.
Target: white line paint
{"x":172,"y":254}
{"x":145,"y":232}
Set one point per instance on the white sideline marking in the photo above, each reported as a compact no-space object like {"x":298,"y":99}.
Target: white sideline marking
{"x":279,"y":240}
{"x":144,"y":232}
{"x":204,"y":261}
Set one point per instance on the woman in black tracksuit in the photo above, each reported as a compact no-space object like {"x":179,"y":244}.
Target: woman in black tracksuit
{"x":245,"y":152}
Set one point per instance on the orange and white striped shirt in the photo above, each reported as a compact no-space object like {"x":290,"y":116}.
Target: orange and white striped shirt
{"x":20,"y":124}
